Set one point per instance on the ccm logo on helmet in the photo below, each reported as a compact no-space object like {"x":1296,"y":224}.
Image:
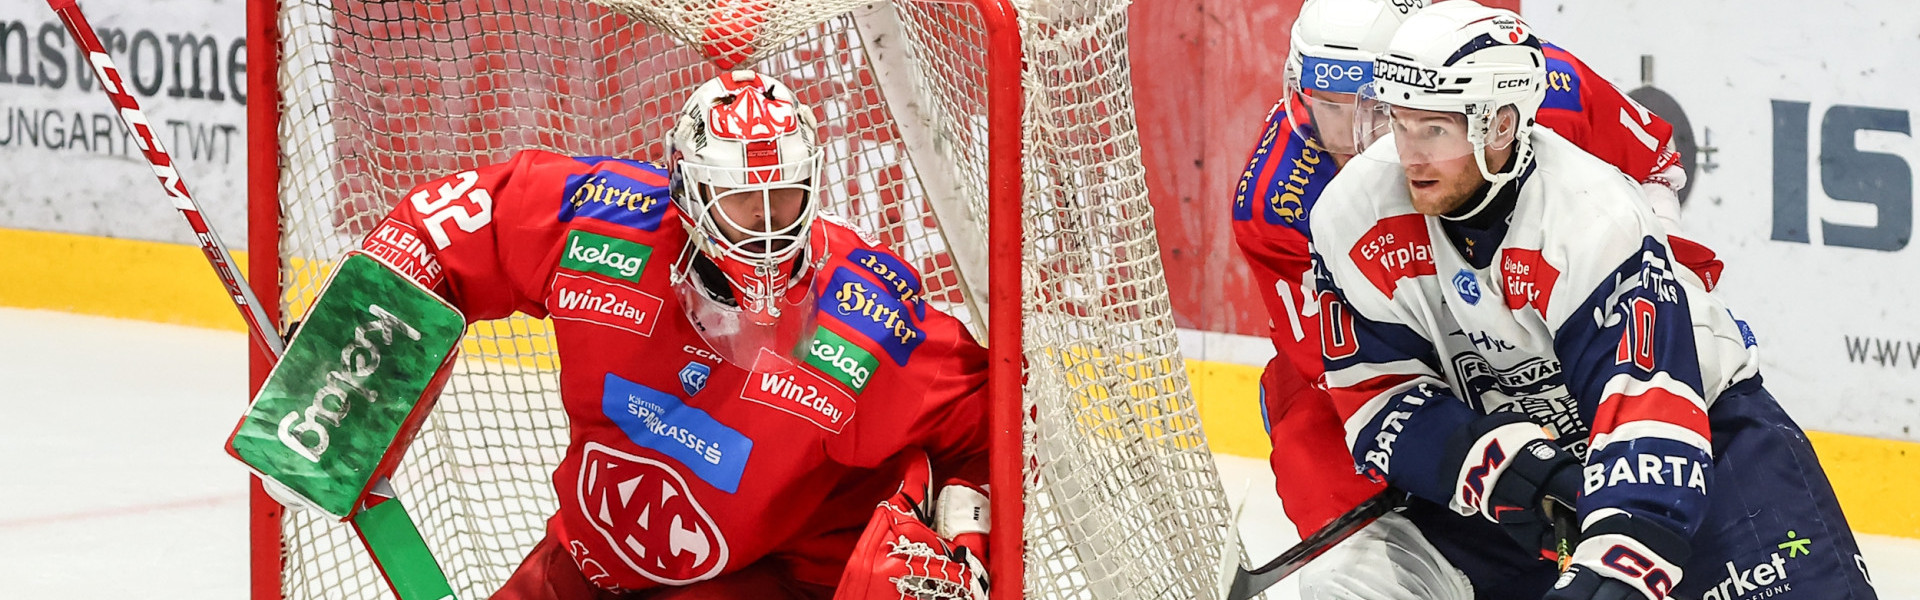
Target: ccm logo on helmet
{"x":1508,"y":84}
{"x":1406,"y":74}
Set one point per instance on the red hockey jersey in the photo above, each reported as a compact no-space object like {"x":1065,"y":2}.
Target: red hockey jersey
{"x":681,"y":466}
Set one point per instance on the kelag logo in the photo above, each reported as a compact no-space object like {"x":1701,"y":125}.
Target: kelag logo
{"x":865,"y":308}
{"x":841,"y":359}
{"x":716,"y":453}
{"x":636,"y":201}
{"x":613,"y":257}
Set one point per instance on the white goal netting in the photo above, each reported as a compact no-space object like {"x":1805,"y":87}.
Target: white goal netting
{"x":378,"y":96}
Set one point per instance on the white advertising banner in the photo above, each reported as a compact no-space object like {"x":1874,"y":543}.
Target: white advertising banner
{"x":1800,"y":115}
{"x":69,"y":165}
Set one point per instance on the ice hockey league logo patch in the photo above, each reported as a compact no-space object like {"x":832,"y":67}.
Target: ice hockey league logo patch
{"x":693,"y":377}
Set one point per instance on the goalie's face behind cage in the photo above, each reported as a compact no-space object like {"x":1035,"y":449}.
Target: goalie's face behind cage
{"x":745,"y":172}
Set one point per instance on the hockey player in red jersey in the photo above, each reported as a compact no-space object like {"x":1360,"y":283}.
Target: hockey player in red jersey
{"x":1309,"y":135}
{"x":744,"y":380}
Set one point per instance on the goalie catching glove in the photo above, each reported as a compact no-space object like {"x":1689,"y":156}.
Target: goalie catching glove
{"x":914,"y":550}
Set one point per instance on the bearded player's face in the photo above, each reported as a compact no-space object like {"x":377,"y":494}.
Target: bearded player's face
{"x":1438,"y":158}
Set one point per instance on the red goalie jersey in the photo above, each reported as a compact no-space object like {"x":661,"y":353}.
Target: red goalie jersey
{"x":681,"y":467}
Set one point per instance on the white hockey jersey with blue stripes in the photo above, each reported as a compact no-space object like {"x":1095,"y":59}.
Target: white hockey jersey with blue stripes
{"x":1580,"y":320}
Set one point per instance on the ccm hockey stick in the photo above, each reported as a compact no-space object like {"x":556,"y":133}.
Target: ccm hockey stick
{"x":382,"y":523}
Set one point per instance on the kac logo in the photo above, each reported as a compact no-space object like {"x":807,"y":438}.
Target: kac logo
{"x":693,"y":377}
{"x":647,"y":515}
{"x":1467,"y":286}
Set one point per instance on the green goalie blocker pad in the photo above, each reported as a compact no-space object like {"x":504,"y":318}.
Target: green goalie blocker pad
{"x":357,"y":380}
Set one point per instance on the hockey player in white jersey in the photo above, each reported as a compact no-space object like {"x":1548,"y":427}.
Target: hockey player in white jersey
{"x":1506,"y":335}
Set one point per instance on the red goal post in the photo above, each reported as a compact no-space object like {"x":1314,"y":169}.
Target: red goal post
{"x":946,"y":121}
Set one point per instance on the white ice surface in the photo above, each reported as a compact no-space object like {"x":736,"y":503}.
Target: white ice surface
{"x":113,"y":483}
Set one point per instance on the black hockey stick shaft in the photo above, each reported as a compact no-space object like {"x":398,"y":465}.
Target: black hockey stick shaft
{"x":1247,"y":584}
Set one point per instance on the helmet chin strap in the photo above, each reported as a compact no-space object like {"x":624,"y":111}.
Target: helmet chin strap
{"x":1516,"y":162}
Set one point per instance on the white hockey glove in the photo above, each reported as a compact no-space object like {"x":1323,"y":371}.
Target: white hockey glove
{"x":1581,"y":583}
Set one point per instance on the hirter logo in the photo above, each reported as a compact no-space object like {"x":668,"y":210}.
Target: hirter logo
{"x":644,"y":511}
{"x":579,"y":298}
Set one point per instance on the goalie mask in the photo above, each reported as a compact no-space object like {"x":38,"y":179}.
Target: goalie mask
{"x":1330,"y":62}
{"x":745,"y":172}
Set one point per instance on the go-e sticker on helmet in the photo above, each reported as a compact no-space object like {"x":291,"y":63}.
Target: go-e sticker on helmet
{"x":1331,"y":75}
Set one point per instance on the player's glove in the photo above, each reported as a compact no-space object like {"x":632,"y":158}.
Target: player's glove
{"x":912,"y":550}
{"x":1631,"y":554}
{"x":1510,"y":473}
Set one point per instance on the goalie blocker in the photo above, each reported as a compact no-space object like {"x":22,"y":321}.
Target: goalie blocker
{"x":358,"y":378}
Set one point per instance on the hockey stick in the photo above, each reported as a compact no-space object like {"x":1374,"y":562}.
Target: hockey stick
{"x":136,"y":122}
{"x":383,"y":523}
{"x":1246,"y":584}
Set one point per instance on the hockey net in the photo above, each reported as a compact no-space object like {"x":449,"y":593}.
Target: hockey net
{"x":376,"y":97}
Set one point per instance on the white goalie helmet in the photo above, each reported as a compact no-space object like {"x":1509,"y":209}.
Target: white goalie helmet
{"x":1330,"y":60}
{"x":1465,"y":58}
{"x":745,"y":172}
